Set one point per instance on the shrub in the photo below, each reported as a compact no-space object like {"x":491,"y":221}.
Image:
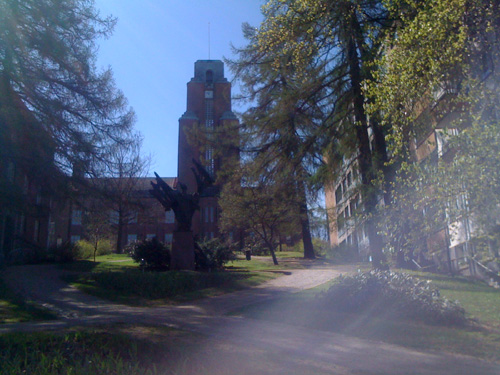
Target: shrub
{"x":256,"y":246}
{"x":321,"y":247}
{"x":85,"y":250}
{"x":399,"y":293}
{"x":151,"y":253}
{"x":64,"y":253}
{"x":212,"y":255}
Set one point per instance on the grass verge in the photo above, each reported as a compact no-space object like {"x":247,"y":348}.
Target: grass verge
{"x":131,"y":350}
{"x":114,"y":278}
{"x":92,"y":351}
{"x":480,"y":338}
{"x":13,"y":309}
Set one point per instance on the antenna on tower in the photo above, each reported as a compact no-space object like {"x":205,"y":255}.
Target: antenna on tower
{"x":209,"y":40}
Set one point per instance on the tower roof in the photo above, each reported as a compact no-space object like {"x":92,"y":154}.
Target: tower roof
{"x":216,"y":67}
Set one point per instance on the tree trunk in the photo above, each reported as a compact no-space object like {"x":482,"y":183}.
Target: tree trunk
{"x":365,"y":154}
{"x":304,"y":216}
{"x":306,"y":231}
{"x":273,"y":254}
{"x":119,"y":233}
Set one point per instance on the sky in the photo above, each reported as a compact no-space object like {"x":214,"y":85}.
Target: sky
{"x":152,"y":53}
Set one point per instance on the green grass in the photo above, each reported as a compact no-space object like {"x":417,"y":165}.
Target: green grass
{"x":13,"y":309}
{"x":133,"y":287}
{"x":133,"y":350}
{"x":480,"y":339}
{"x":87,"y":352}
{"x":103,"y":262}
{"x":479,"y":300}
{"x":117,"y":279}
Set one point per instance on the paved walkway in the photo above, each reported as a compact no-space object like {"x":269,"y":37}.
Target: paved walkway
{"x":272,"y":348}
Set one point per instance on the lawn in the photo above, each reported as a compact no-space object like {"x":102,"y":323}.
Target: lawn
{"x":116,"y":277}
{"x":119,"y":279}
{"x":13,"y":309}
{"x":481,"y":338}
{"x":479,"y":300}
{"x":93,"y":351}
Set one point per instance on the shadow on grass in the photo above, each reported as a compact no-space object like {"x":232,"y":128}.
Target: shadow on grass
{"x":79,"y":266}
{"x":14,"y":309}
{"x":130,"y":286}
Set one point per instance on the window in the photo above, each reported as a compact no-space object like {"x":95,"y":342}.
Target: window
{"x":169,"y":217}
{"x":168,"y":238}
{"x":207,"y":214}
{"x":75,"y":238}
{"x":209,"y":77}
{"x":11,"y":171}
{"x":20,"y":224}
{"x":131,"y":238}
{"x":113,"y":217}
{"x":352,"y":207}
{"x":211,"y":209}
{"x":76,"y":217}
{"x":340,"y":222}
{"x":349,"y":179}
{"x":338,"y":194}
{"x":36,"y":232}
{"x":150,"y":236}
{"x":25,"y":185}
{"x":133,"y":217}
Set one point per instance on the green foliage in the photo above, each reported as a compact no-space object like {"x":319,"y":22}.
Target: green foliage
{"x":408,"y":297}
{"x":85,"y":250}
{"x":255,"y":245}
{"x":262,"y":208}
{"x":344,"y":254}
{"x":437,"y":93}
{"x":150,"y":253}
{"x":212,"y":255}
{"x":321,"y":247}
{"x":75,"y":353}
{"x":83,"y":113}
{"x":65,"y":253}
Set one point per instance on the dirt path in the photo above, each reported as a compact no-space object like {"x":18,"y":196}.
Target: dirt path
{"x":269,"y":348}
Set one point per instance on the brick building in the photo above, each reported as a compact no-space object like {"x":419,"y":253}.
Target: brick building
{"x":208,"y":120}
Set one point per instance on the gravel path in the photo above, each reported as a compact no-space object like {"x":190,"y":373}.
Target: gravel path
{"x":273,"y":348}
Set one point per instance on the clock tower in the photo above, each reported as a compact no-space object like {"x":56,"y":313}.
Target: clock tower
{"x":208,"y":120}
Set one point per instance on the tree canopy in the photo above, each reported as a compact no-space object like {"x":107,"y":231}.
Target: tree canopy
{"x":48,"y":69}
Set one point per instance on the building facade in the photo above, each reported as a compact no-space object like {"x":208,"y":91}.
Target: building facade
{"x":207,"y":122}
{"x":34,"y":216}
{"x":207,"y":131}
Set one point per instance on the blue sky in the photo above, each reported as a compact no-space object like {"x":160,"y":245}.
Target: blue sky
{"x":152,"y":53}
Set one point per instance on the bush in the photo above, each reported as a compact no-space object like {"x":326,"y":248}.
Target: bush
{"x":150,"y":253}
{"x":212,"y":255}
{"x":85,"y":250}
{"x":256,"y":246}
{"x":402,"y":294}
{"x":64,"y":253}
{"x":321,"y":247}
